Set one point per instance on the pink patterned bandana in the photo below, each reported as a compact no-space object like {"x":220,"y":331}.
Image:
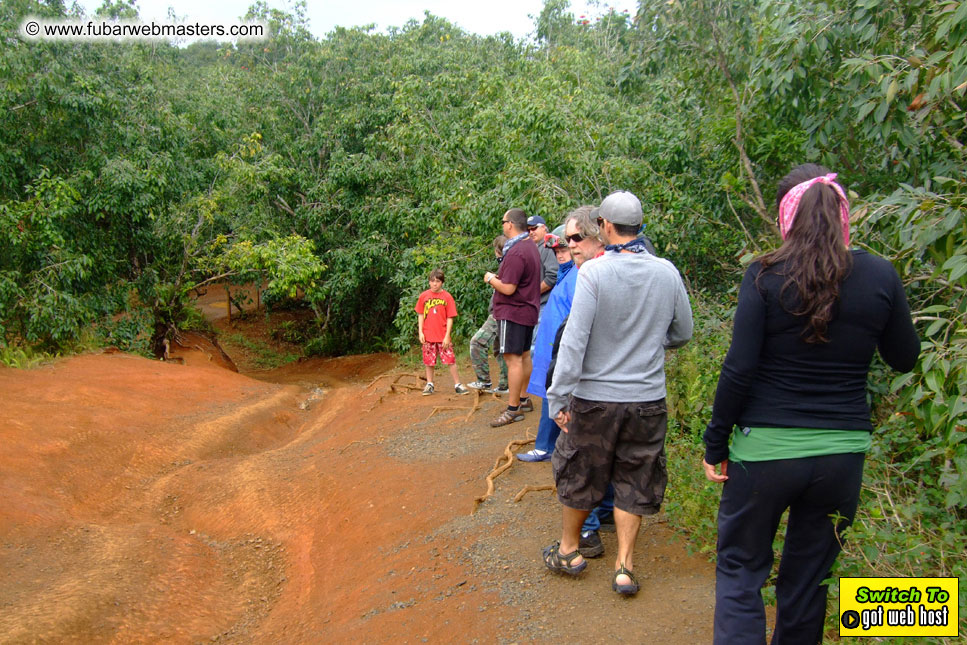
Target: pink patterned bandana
{"x":790,"y":204}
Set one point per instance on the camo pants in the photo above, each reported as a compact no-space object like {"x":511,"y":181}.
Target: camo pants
{"x":480,"y":346}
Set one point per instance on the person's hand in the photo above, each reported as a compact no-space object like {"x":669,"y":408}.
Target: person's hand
{"x":713,"y":476}
{"x":488,"y":276}
{"x":562,"y":419}
{"x":447,"y":342}
{"x":422,"y":338}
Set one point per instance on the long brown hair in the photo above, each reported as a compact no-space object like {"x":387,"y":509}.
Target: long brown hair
{"x":813,"y":257}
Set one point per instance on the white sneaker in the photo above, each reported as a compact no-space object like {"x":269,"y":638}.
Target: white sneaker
{"x":428,"y":389}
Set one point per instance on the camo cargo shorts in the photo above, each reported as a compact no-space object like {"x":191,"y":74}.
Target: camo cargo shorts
{"x":620,"y":443}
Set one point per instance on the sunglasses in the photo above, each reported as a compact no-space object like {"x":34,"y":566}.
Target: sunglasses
{"x":531,"y":228}
{"x":574,"y":237}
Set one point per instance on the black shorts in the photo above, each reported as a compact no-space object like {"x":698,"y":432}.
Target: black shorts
{"x":513,"y":338}
{"x":618,"y":443}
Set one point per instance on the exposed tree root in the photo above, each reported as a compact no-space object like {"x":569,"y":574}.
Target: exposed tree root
{"x":375,"y":380}
{"x":498,"y":469}
{"x":394,"y":387}
{"x":472,"y":409}
{"x":442,"y":408}
{"x":396,"y":381}
{"x":361,"y":441}
{"x":475,"y":406}
{"x":530,"y":489}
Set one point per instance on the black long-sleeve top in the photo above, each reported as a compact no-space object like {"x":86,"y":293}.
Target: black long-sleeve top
{"x":772,"y":378}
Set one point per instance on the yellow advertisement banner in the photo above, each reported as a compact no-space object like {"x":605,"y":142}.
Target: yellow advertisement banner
{"x":898,"y":606}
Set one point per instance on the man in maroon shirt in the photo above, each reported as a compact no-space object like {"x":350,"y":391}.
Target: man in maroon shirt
{"x":516,"y":308}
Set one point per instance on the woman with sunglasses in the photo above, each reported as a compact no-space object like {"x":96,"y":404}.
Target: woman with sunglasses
{"x":793,"y":385}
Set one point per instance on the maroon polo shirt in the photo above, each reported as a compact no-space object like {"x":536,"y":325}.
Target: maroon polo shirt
{"x":521,"y":266}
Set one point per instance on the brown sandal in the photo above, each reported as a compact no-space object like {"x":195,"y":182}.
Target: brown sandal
{"x":506,"y":418}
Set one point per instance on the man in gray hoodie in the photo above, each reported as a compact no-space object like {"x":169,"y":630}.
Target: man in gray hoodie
{"x":608,"y":393}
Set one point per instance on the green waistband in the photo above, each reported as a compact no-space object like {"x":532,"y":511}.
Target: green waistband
{"x":765,"y":444}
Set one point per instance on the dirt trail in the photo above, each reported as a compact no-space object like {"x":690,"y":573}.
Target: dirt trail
{"x":147,"y":501}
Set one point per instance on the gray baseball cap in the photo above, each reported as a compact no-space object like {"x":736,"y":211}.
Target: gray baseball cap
{"x":620,"y":207}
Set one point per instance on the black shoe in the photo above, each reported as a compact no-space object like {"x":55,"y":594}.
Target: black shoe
{"x":590,"y":545}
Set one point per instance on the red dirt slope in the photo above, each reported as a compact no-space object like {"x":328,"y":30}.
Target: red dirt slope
{"x":146,"y":501}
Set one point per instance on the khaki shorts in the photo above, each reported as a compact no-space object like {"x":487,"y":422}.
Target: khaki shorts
{"x":618,"y":443}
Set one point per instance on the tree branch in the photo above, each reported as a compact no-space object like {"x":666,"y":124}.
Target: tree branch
{"x":281,"y":204}
{"x":759,"y":206}
{"x":749,"y":237}
{"x":216,"y":278}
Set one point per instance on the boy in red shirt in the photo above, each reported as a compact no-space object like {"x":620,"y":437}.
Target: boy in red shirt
{"x":435,"y":311}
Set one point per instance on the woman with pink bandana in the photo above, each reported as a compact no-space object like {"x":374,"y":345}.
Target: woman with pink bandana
{"x":793,"y":387}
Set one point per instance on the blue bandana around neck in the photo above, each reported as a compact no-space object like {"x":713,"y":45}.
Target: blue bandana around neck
{"x":636,"y":245}
{"x":562,"y":269}
{"x":512,"y":241}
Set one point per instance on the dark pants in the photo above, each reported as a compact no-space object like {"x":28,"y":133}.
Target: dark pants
{"x":753,"y":500}
{"x":593,"y":522}
{"x":547,"y":430}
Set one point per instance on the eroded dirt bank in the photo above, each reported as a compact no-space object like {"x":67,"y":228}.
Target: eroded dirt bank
{"x":147,"y":501}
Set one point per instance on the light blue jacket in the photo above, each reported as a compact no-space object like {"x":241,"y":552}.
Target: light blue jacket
{"x":555,"y":311}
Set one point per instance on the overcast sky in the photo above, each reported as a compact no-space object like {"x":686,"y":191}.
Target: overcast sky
{"x":489,"y":17}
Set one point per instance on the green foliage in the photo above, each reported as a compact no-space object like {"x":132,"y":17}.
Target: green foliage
{"x":926,"y":235}
{"x":44,"y":282}
{"x":373,"y":148}
{"x":21,"y":358}
{"x":875,"y":76}
{"x":129,"y":332}
{"x":691,"y":374}
{"x":119,"y":171}
{"x":263,"y":356}
{"x":692,"y":371}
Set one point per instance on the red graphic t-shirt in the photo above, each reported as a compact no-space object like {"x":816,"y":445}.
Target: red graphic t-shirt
{"x":436,"y":307}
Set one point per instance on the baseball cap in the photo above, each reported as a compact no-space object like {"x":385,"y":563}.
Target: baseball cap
{"x":620,"y":207}
{"x":535,"y":220}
